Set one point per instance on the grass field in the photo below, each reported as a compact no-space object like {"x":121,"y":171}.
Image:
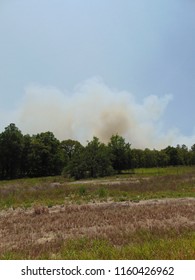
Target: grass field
{"x":146,"y":215}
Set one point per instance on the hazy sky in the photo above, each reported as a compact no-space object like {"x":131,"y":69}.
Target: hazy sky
{"x":86,"y":67}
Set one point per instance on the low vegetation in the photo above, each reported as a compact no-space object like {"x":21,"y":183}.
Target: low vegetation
{"x":146,"y":215}
{"x":51,"y":191}
{"x":101,"y":231}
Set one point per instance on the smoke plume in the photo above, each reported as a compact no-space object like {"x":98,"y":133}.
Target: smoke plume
{"x":94,"y":109}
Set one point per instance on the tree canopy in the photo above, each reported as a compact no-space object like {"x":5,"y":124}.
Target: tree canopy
{"x":44,"y":155}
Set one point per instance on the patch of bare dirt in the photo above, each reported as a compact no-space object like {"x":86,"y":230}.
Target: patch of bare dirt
{"x":108,"y":181}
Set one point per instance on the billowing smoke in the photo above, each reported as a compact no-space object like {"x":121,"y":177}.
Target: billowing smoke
{"x":94,"y":109}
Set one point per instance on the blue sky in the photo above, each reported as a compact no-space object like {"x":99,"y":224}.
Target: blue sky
{"x":135,"y":52}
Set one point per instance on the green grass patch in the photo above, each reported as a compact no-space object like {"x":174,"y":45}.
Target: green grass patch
{"x":143,"y":246}
{"x":170,"y":170}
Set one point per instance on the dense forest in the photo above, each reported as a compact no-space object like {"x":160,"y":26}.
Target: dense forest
{"x":44,"y":155}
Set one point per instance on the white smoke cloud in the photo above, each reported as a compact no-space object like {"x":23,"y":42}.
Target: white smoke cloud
{"x":94,"y":109}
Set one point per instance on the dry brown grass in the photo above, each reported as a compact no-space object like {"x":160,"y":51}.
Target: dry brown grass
{"x":45,"y":218}
{"x":41,"y":229}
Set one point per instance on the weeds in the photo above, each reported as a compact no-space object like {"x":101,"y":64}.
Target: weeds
{"x":82,"y":190}
{"x":102,"y":193}
{"x":50,"y":218}
{"x":39,"y":209}
{"x":50,"y":193}
{"x":113,"y":227}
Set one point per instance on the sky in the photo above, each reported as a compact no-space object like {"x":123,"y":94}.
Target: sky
{"x":96,"y":68}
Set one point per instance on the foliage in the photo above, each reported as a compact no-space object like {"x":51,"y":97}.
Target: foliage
{"x":44,"y":155}
{"x":90,"y":161}
{"x":11,"y":146}
{"x":98,"y":159}
{"x":70,"y":147}
{"x":76,"y":167}
{"x":120,"y":153}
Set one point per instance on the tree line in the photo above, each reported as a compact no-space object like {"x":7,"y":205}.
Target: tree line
{"x":44,"y":155}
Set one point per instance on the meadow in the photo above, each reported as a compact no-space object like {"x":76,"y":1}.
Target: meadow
{"x":145,"y":214}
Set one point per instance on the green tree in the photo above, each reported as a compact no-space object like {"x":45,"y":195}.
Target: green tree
{"x":90,"y":161}
{"x":11,"y":146}
{"x":193,"y":148}
{"x":149,"y":158}
{"x":183,"y":154}
{"x":137,"y":158}
{"x":191,"y":158}
{"x":174,"y":156}
{"x":120,"y":153}
{"x":77,"y":165}
{"x":98,"y":159}
{"x":191,"y":154}
{"x":46,"y":155}
{"x":69,"y":148}
{"x":25,"y":164}
{"x":163,"y":158}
